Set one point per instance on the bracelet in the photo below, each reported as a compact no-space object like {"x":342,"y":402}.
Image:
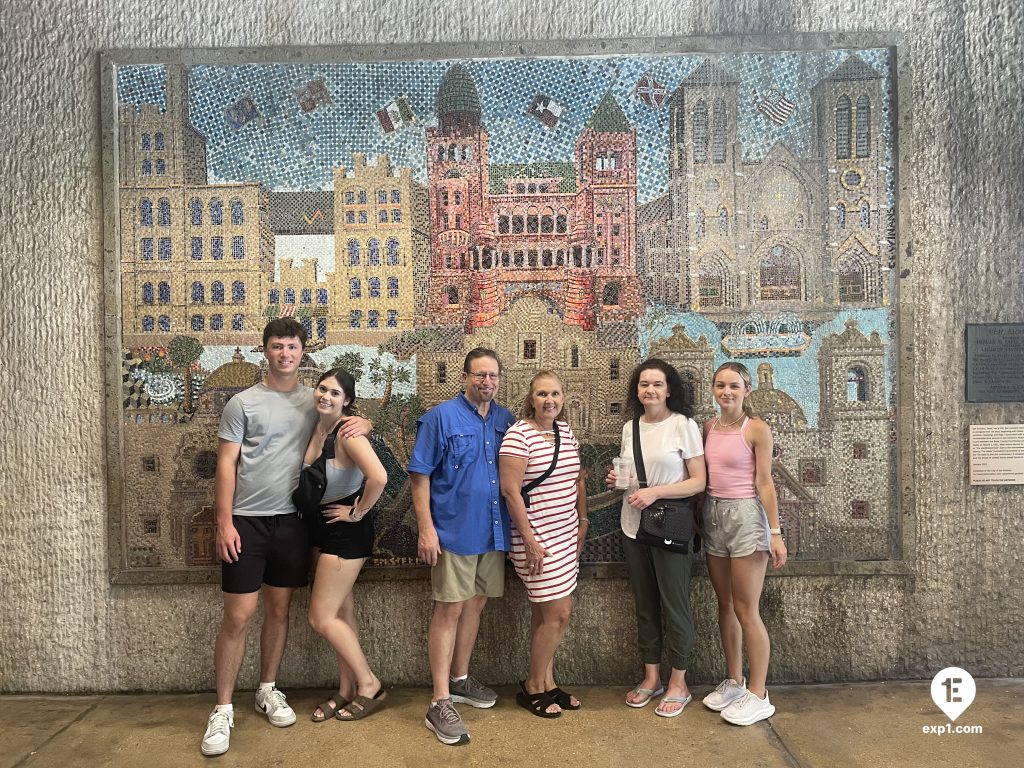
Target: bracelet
{"x":775,"y":531}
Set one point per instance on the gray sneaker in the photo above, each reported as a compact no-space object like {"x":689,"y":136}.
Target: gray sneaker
{"x":725,"y":694}
{"x":471,"y":691}
{"x":446,"y":723}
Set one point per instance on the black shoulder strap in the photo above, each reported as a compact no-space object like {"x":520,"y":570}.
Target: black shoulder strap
{"x":638,"y":454}
{"x":551,"y":467}
{"x":328,"y":451}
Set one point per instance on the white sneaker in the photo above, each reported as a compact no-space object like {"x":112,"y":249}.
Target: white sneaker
{"x":272,"y":703}
{"x":217,"y":738}
{"x":748,"y":710}
{"x":725,"y":694}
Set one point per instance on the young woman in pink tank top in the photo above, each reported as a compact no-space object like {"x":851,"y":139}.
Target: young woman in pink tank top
{"x":741,"y":533}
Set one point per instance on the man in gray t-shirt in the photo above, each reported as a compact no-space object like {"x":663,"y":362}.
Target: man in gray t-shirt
{"x":260,"y":538}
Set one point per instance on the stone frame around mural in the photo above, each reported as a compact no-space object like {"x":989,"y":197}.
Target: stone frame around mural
{"x":902,"y":546}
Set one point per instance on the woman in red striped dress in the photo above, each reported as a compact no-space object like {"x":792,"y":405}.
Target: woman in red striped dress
{"x":547,"y":536}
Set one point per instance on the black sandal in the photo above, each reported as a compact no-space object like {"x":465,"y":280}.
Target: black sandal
{"x":536,"y":703}
{"x":563,"y":698}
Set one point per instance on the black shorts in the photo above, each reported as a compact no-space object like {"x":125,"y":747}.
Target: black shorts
{"x":275,"y":552}
{"x":349,"y":541}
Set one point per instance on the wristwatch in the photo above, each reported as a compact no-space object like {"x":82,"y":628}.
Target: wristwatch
{"x":775,"y":531}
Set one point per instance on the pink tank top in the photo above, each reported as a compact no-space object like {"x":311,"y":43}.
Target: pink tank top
{"x":730,"y":462}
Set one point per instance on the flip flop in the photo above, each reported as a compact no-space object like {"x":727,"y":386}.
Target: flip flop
{"x":536,"y":703}
{"x":647,"y":693}
{"x":562,"y":698}
{"x":328,"y":709}
{"x":684,"y":700}
{"x":361,"y":706}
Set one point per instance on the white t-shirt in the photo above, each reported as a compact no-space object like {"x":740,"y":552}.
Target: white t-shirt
{"x":666,"y":446}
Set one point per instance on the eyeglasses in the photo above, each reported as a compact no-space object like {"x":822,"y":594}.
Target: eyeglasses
{"x":483,"y":376}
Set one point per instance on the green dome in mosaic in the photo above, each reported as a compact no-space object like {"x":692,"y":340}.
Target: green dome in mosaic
{"x":458,"y":101}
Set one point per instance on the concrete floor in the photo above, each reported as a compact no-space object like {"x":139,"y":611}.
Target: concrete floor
{"x":874,"y":724}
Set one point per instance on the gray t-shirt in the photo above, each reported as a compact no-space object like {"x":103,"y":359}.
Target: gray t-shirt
{"x":273,"y":429}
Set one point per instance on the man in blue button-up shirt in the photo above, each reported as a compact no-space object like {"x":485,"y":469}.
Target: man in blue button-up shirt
{"x":463,"y":532}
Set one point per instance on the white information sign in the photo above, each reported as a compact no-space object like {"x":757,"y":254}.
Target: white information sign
{"x":997,"y":454}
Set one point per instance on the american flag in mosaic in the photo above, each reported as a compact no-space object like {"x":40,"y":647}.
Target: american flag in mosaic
{"x":776,"y":107}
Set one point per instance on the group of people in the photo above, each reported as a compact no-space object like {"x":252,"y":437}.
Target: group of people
{"x":486,"y":486}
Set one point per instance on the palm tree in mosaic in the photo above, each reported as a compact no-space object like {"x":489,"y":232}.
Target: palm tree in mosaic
{"x":184,"y":352}
{"x":351,"y":362}
{"x":387,"y":375}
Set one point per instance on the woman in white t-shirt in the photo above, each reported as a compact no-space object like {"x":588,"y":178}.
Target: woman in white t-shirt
{"x":673,"y":457}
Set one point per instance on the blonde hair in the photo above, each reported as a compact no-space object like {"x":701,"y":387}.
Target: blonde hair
{"x":744,"y":374}
{"x":526,"y":410}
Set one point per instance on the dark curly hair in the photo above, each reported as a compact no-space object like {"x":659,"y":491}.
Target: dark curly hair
{"x":680,"y":396}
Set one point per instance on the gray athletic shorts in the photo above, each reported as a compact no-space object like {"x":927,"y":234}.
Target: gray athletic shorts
{"x":735,"y":527}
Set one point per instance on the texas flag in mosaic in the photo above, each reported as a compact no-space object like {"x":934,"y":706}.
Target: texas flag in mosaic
{"x":241,"y":113}
{"x":312,"y":95}
{"x":776,"y":107}
{"x":395,"y":114}
{"x":546,"y":109}
{"x":650,"y":91}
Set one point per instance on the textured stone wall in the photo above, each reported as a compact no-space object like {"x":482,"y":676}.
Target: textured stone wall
{"x":64,"y":628}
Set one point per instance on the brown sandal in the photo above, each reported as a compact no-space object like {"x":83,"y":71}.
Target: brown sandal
{"x":361,"y":706}
{"x":329,"y":709}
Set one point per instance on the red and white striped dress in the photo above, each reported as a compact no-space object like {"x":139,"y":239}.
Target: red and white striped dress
{"x":552,"y":512}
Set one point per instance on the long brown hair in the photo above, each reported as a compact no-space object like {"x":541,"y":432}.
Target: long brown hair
{"x":741,"y":369}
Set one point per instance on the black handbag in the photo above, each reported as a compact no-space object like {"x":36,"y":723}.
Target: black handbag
{"x":669,"y":524}
{"x":525,"y":490}
{"x":313,"y":479}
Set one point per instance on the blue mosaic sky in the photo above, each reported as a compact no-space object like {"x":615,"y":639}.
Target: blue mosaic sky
{"x":286,"y":148}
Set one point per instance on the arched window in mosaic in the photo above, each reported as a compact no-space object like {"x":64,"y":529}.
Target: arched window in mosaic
{"x":238,"y":292}
{"x":147,"y":168}
{"x":147,"y":293}
{"x":843,"y":128}
{"x":307,"y":295}
{"x":147,"y":249}
{"x":780,"y":274}
{"x":163,"y":292}
{"x":532,"y":222}
{"x":321,"y":327}
{"x":840,"y":215}
{"x":289,"y":295}
{"x":164,"y":323}
{"x":355,"y":288}
{"x":518,"y":224}
{"x":353,"y":253}
{"x":700,"y":132}
{"x":712,"y":283}
{"x":217,"y":292}
{"x":198,"y":323}
{"x":852,"y":279}
{"x":373,"y":252}
{"x":238,"y":247}
{"x":195,"y":209}
{"x":355,"y":318}
{"x":238,"y":322}
{"x":392,"y":287}
{"x":321,"y":296}
{"x":392,"y":318}
{"x":197,"y":248}
{"x":163,"y":217}
{"x":217,"y":248}
{"x":467,"y":152}
{"x":547,"y":221}
{"x":865,"y":214}
{"x":148,"y":324}
{"x":857,"y":384}
{"x":164,"y":249}
{"x":159,"y":142}
{"x":161,"y":167}
{"x":216,"y":211}
{"x":216,"y":322}
{"x":146,"y":212}
{"x":610,"y":295}
{"x":373,"y":319}
{"x":718,"y":133}
{"x":145,"y":142}
{"x":574,"y":356}
{"x":561,"y":221}
{"x":392,"y":251}
{"x":453,"y":294}
{"x":396,"y":196}
{"x":863,"y":127}
{"x":237,"y":213}
{"x":700,"y":225}
{"x":723,"y":221}
{"x":374,"y":287}
{"x":275,"y":296}
{"x":198,"y":294}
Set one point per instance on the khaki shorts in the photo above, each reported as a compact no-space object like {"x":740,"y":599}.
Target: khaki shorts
{"x":735,"y":527}
{"x":457,"y":578}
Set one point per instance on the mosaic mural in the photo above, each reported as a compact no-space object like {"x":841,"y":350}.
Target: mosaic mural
{"x":573,"y":213}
